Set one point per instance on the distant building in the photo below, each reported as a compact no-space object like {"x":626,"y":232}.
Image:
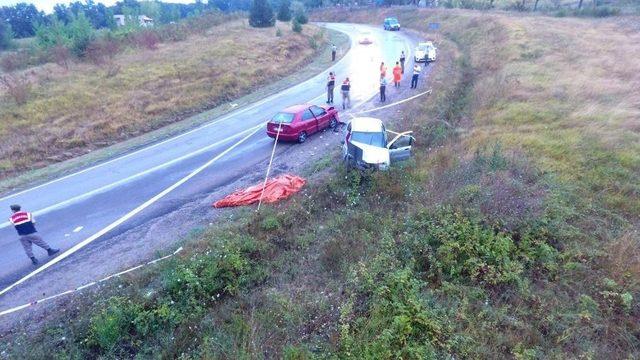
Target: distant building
{"x":143,"y":20}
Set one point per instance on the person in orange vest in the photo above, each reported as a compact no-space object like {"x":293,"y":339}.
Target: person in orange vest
{"x":344,"y":89}
{"x":397,"y":75}
{"x":383,"y":69}
{"x":25,"y":226}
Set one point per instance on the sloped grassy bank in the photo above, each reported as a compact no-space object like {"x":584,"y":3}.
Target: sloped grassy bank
{"x":477,"y":248}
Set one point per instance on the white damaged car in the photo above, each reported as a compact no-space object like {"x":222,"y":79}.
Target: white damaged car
{"x":425,"y":52}
{"x":366,"y":145}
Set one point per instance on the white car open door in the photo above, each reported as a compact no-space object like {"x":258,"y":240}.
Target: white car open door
{"x":400,"y":146}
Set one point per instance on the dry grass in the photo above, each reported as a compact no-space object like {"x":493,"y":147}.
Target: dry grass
{"x":572,"y":102}
{"x":87,"y":107}
{"x":562,"y":96}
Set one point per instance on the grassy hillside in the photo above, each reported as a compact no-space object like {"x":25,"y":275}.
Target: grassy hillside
{"x":68,"y":113}
{"x":512,"y":234}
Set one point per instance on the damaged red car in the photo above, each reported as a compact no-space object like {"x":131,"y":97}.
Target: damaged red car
{"x":296,"y":123}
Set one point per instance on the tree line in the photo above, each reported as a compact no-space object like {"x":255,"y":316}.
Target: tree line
{"x":22,"y":20}
{"x":25,"y":20}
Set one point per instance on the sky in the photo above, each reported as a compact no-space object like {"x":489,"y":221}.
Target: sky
{"x":47,"y":5}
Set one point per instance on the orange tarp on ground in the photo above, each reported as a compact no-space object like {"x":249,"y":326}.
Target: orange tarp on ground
{"x":278,"y":188}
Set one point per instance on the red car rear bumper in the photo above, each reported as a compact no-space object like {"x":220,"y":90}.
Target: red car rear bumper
{"x":284,"y":137}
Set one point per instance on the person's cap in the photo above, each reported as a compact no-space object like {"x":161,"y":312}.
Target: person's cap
{"x":15,"y":207}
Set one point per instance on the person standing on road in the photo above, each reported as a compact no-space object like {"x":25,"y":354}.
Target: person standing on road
{"x":402,"y":59}
{"x":334,"y":49}
{"x":397,"y":75}
{"x":414,"y":78}
{"x":344,"y":89}
{"x":383,"y":69}
{"x":383,"y":88}
{"x":331,"y":83}
{"x":25,"y":225}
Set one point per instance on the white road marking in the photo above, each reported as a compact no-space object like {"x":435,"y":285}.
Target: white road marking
{"x":129,"y":215}
{"x":226,"y":117}
{"x":77,"y":229}
{"x":156,"y":197}
{"x":130,"y":178}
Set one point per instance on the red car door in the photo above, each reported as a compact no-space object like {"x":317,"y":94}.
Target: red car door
{"x":321,"y":115}
{"x":308,"y":122}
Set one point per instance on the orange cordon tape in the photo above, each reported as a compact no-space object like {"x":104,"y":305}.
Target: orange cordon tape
{"x":275,"y":189}
{"x":39,"y":301}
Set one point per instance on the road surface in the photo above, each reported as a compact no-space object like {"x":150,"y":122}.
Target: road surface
{"x":74,"y":207}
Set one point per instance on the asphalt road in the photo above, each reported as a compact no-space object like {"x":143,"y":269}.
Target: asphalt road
{"x":74,"y":207}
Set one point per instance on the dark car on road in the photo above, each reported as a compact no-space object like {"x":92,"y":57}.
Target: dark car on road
{"x":391,"y":24}
{"x":297,"y":122}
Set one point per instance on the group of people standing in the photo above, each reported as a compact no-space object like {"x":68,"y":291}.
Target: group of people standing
{"x":345,"y":88}
{"x":398,"y":72}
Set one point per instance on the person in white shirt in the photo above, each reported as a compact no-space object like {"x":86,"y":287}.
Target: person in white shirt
{"x":383,"y":88}
{"x":414,"y":78}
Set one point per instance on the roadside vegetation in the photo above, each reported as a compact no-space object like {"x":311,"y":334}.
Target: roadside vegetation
{"x":53,"y":112}
{"x":513,"y":233}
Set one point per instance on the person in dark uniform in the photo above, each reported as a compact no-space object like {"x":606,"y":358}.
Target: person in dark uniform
{"x":331,"y":83}
{"x":25,"y":226}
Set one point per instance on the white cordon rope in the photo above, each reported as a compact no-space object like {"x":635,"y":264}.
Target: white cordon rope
{"x":273,"y":152}
{"x":395,"y":103}
{"x":88,"y":285}
{"x":275,"y":143}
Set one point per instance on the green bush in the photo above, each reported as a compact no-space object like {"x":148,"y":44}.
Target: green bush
{"x":457,"y":250}
{"x":261,"y":14}
{"x":284,"y":10}
{"x":299,"y":12}
{"x":400,"y":320}
{"x":112,"y":324}
{"x":76,"y":35}
{"x":6,"y":35}
{"x":295,"y":26}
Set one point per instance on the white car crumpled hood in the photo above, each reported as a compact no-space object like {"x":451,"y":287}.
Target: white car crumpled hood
{"x":373,"y":154}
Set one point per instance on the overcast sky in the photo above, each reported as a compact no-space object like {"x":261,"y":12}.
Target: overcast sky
{"x":47,"y":5}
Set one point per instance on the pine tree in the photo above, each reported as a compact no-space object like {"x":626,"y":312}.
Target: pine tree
{"x":6,"y":35}
{"x":284,"y":11}
{"x":261,"y":14}
{"x":299,"y":12}
{"x":295,"y":26}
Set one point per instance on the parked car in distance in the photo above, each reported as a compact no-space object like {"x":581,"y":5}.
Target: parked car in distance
{"x":366,"y":145}
{"x":425,"y":52}
{"x":391,"y":24}
{"x":365,"y":40}
{"x":297,"y":122}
